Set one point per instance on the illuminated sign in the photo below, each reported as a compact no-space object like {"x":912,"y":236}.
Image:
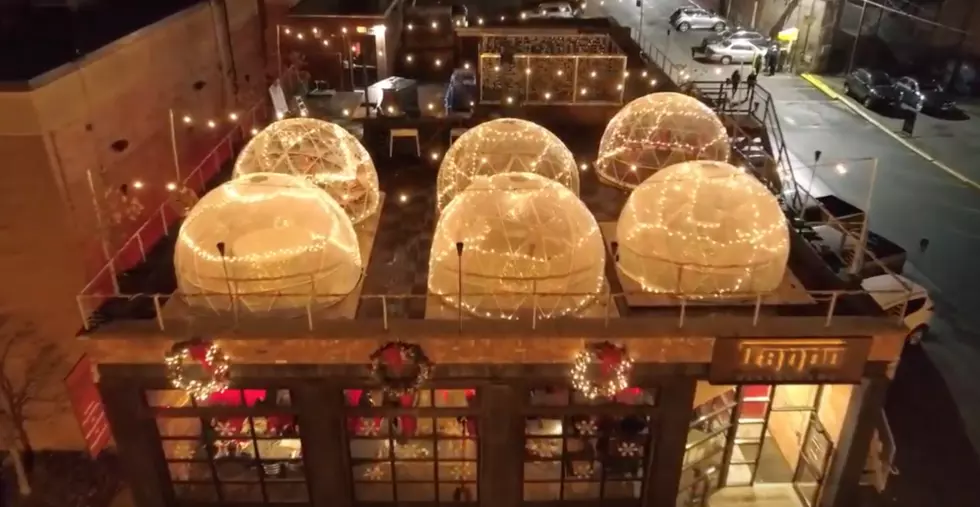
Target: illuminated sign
{"x":801,"y":360}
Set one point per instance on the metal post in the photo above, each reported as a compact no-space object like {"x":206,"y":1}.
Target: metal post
{"x":279,"y":49}
{"x":608,"y":304}
{"x":830,"y":311}
{"x":309,"y":303}
{"x":857,"y":263}
{"x":534,"y":304}
{"x":139,"y":243}
{"x":809,"y":188}
{"x":680,"y":321}
{"x":639,"y":3}
{"x":857,"y":37}
{"x":231,"y":289}
{"x":527,"y":78}
{"x":384,"y":311}
{"x":103,"y":240}
{"x":575,"y":80}
{"x":82,"y":313}
{"x":459,"y":283}
{"x":159,"y":311}
{"x":758,"y":308}
{"x":173,"y":146}
{"x":163,"y":220}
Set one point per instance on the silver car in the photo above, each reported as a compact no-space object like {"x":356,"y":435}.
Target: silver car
{"x":733,"y":51}
{"x":687,"y":18}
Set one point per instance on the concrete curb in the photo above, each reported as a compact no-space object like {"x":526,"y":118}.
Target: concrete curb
{"x":828,"y":91}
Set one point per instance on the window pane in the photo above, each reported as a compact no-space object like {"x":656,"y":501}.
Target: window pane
{"x":203,"y":492}
{"x":238,"y":448}
{"x":179,"y":426}
{"x":622,"y":489}
{"x":457,"y":471}
{"x":543,"y":448}
{"x":271,"y":426}
{"x":543,"y":427}
{"x":458,"y":449}
{"x":363,"y":448}
{"x":236,"y":470}
{"x":549,"y":397}
{"x":416,"y":492}
{"x":169,"y":398}
{"x":248,"y":398}
{"x":581,"y":490}
{"x":291,"y":470}
{"x":379,"y":492}
{"x":637,"y":396}
{"x":456,"y":426}
{"x":542,"y":492}
{"x":183,"y":449}
{"x":189,"y":471}
{"x":749,"y":431}
{"x":415,"y":471}
{"x":373,"y":472}
{"x":542,"y":470}
{"x":296,"y":492}
{"x":287,"y":448}
{"x":457,"y":493}
{"x":368,"y":426}
{"x":241,"y":492}
{"x":455,"y":397}
{"x":582,"y":470}
{"x":362,"y":398}
{"x":414,"y":449}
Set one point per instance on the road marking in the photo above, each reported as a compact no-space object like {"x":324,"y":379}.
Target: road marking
{"x":820,"y":85}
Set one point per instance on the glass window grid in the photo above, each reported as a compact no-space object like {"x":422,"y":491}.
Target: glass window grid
{"x":215,"y":486}
{"x":571,"y":407}
{"x":427,"y":408}
{"x":719,"y":423}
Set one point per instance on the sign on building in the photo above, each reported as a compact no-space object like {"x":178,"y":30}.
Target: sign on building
{"x":87,"y":405}
{"x":787,"y":361}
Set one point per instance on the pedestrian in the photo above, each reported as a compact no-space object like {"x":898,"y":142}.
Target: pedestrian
{"x":751,"y":80}
{"x":772,"y":57}
{"x":735,"y":79}
{"x":757,"y":63}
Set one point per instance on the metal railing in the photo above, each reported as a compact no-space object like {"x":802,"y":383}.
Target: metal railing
{"x":164,"y":215}
{"x":321,"y":310}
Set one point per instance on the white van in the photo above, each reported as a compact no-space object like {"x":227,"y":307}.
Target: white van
{"x":888,"y":292}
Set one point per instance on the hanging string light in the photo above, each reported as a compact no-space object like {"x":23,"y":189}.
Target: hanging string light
{"x":655,"y":131}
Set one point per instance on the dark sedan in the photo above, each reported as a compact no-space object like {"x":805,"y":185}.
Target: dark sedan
{"x":924,"y":95}
{"x":872,"y":87}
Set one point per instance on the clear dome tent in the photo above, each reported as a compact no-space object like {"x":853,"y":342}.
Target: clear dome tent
{"x":323,"y":152}
{"x":701,"y":229}
{"x":655,"y":131}
{"x":522,"y":234}
{"x":501,"y":146}
{"x":283,"y":240}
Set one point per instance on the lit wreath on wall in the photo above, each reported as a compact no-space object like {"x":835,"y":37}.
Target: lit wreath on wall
{"x":198,"y":367}
{"x":601,"y":370}
{"x":401,"y":368}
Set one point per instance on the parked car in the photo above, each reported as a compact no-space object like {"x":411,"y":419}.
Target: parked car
{"x":687,"y":18}
{"x":737,"y":34}
{"x":887,"y":290}
{"x":550,"y":10}
{"x":924,"y":95}
{"x":872,"y":87}
{"x":732,"y":51}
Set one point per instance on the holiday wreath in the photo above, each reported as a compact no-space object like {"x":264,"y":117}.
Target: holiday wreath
{"x":198,"y":367}
{"x":401,"y":368}
{"x":601,"y":370}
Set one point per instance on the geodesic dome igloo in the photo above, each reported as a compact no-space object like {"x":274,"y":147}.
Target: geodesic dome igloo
{"x":284,"y":240}
{"x":501,"y":146}
{"x":701,"y":229}
{"x":655,"y":131}
{"x":521,"y":234}
{"x":323,"y":152}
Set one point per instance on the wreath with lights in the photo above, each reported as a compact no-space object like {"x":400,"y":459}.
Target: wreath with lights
{"x":198,"y":367}
{"x":601,"y":370}
{"x":401,"y":368}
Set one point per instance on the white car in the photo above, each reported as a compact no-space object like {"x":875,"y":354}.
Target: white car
{"x":888,"y":292}
{"x":550,"y":10}
{"x":733,"y":51}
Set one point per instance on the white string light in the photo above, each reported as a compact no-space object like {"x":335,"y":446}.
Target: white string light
{"x":703,"y":229}
{"x":655,"y":131}
{"x":504,"y":145}
{"x":323,"y":152}
{"x":282,"y":236}
{"x":522,"y":234}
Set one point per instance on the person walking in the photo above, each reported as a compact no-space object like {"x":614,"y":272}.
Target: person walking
{"x":735,"y":79}
{"x":752,"y":80}
{"x":771,"y":58}
{"x":757,"y":63}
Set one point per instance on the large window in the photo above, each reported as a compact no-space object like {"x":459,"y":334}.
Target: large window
{"x":704,"y":454}
{"x":580,"y":449}
{"x":239,"y":446}
{"x":415,"y":448}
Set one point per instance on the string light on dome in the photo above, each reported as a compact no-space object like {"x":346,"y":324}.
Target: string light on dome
{"x":537,"y":248}
{"x":655,"y":131}
{"x":703,"y":229}
{"x":504,"y":145}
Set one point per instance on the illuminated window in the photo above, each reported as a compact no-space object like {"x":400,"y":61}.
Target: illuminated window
{"x":585,"y":454}
{"x":413,"y":448}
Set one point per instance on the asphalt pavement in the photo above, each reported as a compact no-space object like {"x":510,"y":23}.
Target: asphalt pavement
{"x":911,"y":198}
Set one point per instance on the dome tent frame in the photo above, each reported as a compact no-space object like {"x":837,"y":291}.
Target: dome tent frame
{"x":266,"y":242}
{"x":656,"y":131}
{"x":528,"y":245}
{"x":324,"y":153}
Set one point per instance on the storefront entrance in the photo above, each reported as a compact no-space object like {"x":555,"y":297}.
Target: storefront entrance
{"x":759,"y":445}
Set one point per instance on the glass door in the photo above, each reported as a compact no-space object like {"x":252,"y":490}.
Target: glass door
{"x":704,"y":455}
{"x":815,"y":455}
